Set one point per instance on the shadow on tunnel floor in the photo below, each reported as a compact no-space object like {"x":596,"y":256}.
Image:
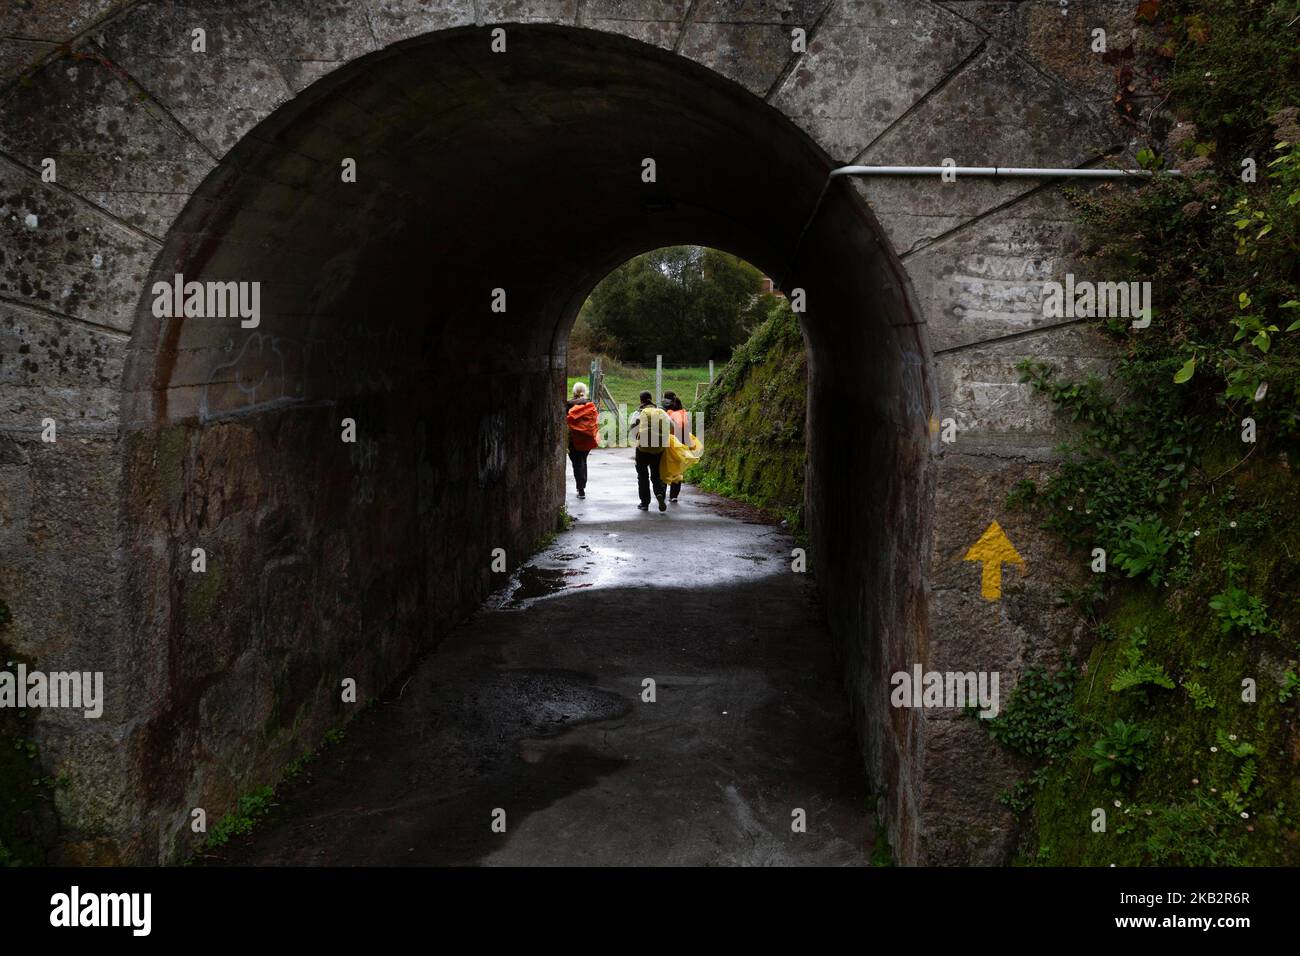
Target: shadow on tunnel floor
{"x":540,"y":713}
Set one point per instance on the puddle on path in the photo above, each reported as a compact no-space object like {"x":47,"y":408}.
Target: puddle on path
{"x":535,"y":582}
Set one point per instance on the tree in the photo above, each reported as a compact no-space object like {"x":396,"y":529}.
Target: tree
{"x":688,"y":303}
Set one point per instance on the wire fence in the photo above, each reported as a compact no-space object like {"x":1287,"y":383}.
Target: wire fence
{"x":616,"y":388}
{"x":617,"y":383}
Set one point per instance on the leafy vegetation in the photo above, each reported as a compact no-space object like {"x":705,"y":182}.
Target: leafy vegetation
{"x":1136,"y":670}
{"x":251,"y":808}
{"x":689,"y":303}
{"x":1290,"y":681}
{"x":754,"y":421}
{"x":1040,"y":719}
{"x":1143,"y":547}
{"x":1122,"y":465}
{"x":1140,"y":674}
{"x":1179,"y":467}
{"x":1201,"y":698}
{"x":1122,"y":749}
{"x":1239,"y":610}
{"x":241,"y":821}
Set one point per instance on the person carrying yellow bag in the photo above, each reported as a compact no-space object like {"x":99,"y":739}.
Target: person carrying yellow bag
{"x":676,"y":459}
{"x":681,"y":453}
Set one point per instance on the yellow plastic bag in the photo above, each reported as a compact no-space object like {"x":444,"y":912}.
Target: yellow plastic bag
{"x":676,"y":458}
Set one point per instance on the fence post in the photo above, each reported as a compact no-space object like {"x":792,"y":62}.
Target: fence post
{"x":659,"y":379}
{"x":710,"y":371}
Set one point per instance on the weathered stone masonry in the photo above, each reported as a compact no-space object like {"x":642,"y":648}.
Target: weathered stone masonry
{"x":479,"y":171}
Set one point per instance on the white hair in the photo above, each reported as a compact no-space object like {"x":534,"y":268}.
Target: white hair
{"x":579,"y":390}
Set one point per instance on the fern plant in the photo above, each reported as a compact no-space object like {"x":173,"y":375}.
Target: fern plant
{"x":1202,"y":699}
{"x":1136,"y":671}
{"x":1144,"y":672}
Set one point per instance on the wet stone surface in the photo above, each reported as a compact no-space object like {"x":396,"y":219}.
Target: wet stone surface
{"x":535,"y":706}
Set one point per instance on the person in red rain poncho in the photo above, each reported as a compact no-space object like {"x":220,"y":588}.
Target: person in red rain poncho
{"x":581,"y":414}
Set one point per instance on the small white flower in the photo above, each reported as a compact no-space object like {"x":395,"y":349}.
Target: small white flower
{"x":1118,"y":804}
{"x":1214,"y":750}
{"x":1196,"y":533}
{"x":1232,"y":736}
{"x":1232,"y":524}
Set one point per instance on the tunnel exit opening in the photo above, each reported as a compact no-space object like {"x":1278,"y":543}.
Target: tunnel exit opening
{"x":470,"y":173}
{"x":664,"y":323}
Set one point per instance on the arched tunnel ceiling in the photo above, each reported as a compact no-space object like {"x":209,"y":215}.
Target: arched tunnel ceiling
{"x":475,"y":171}
{"x":523,"y":172}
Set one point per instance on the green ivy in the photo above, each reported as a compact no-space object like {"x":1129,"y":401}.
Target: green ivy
{"x":1123,"y":464}
{"x":1039,"y":720}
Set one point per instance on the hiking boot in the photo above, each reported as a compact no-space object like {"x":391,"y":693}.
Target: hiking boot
{"x":582,"y":494}
{"x":663,"y":505}
{"x":642,"y":507}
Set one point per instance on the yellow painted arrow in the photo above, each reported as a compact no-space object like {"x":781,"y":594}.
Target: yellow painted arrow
{"x":994,"y":548}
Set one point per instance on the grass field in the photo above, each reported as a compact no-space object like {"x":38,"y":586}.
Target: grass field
{"x":626,"y":382}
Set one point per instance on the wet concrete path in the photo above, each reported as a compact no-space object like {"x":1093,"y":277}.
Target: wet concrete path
{"x":534,"y":706}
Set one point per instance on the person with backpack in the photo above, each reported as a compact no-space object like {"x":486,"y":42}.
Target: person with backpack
{"x":652,"y":427}
{"x":680,"y":418}
{"x":581,"y":414}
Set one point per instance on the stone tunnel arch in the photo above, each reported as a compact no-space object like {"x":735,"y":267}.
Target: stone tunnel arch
{"x":136,"y":122}
{"x":475,"y":172}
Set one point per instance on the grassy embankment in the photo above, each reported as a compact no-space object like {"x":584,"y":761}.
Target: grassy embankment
{"x":754,"y":422}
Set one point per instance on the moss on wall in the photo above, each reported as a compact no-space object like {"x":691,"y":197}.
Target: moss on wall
{"x":1193,"y":801}
{"x":754,"y":421}
{"x":28,"y":822}
{"x":1183,"y":728}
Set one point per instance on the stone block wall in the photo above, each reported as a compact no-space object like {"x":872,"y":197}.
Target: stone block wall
{"x":923,"y":297}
